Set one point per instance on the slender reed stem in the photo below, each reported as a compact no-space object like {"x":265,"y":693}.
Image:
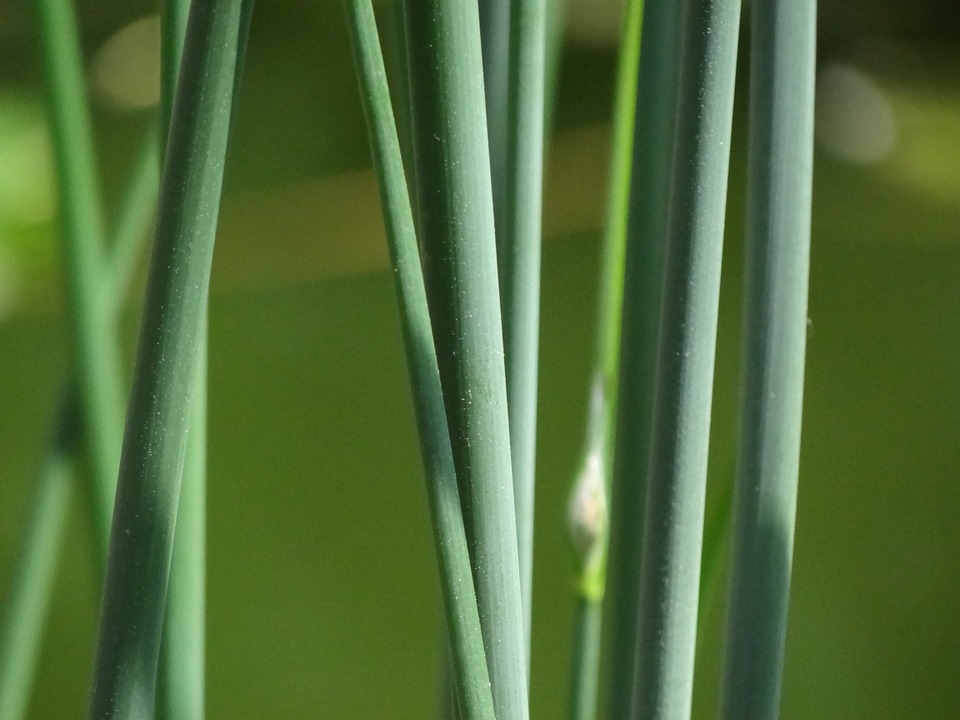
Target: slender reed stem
{"x":93,"y":334}
{"x":518,"y":241}
{"x":777,"y":270}
{"x":180,"y":694}
{"x":32,"y":581}
{"x":588,"y":509}
{"x":586,"y":659}
{"x":470,"y":676}
{"x":459,"y":255}
{"x":673,"y":532}
{"x":495,"y":40}
{"x":652,"y":156}
{"x":170,"y":340}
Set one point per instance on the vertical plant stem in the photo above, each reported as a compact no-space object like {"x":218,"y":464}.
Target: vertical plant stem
{"x":32,"y":582}
{"x":586,"y":659}
{"x":673,"y":532}
{"x":92,"y":330}
{"x":589,"y":506}
{"x":174,"y":313}
{"x":459,"y":253}
{"x":777,"y":270}
{"x":652,"y":157}
{"x":180,"y":694}
{"x":495,"y":40}
{"x":470,"y":674}
{"x":519,"y":240}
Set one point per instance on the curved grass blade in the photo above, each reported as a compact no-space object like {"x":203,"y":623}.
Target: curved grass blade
{"x":777,"y":270}
{"x":458,"y":245}
{"x":673,"y":532}
{"x":174,"y":312}
{"x":463,"y":621}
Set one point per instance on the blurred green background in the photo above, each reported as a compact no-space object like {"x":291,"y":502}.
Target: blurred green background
{"x":323,"y":599}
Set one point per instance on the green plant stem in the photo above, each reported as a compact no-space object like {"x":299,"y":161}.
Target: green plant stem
{"x":495,"y":40}
{"x":673,"y":532}
{"x":32,"y":581}
{"x":519,"y":241}
{"x":33,"y":575}
{"x":93,"y":333}
{"x":470,"y":675}
{"x":776,"y":284}
{"x":589,"y":506}
{"x":459,"y":255}
{"x":651,"y":161}
{"x":586,"y":659}
{"x":180,"y":692}
{"x":170,"y":342}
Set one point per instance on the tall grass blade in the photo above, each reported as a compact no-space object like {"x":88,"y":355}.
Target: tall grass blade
{"x":589,"y":515}
{"x":658,"y":78}
{"x":471,"y":678}
{"x":518,"y":242}
{"x":777,"y":270}
{"x":459,"y":255}
{"x":673,"y":532}
{"x":93,"y":334}
{"x":155,"y":442}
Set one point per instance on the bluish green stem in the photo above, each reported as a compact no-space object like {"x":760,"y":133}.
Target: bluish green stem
{"x":519,"y":240}
{"x":455,"y":224}
{"x":777,"y":269}
{"x":652,"y":159}
{"x":467,"y":657}
{"x":170,"y":342}
{"x":673,"y":532}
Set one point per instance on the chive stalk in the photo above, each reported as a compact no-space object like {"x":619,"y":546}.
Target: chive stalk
{"x":518,"y":244}
{"x":775,"y":309}
{"x":455,"y":223}
{"x":658,"y":76}
{"x":170,"y":339}
{"x":673,"y":525}
{"x":467,"y":657}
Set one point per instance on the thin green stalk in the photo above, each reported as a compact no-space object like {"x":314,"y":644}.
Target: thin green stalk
{"x":459,"y":254}
{"x":32,"y":582}
{"x":33,"y":575}
{"x":180,"y":693}
{"x":652,"y":157}
{"x":170,"y":342}
{"x":518,"y":242}
{"x":589,"y":516}
{"x":495,"y":40}
{"x":93,"y":333}
{"x":673,"y":532}
{"x":586,"y":659}
{"x":471,"y":677}
{"x":777,"y":270}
